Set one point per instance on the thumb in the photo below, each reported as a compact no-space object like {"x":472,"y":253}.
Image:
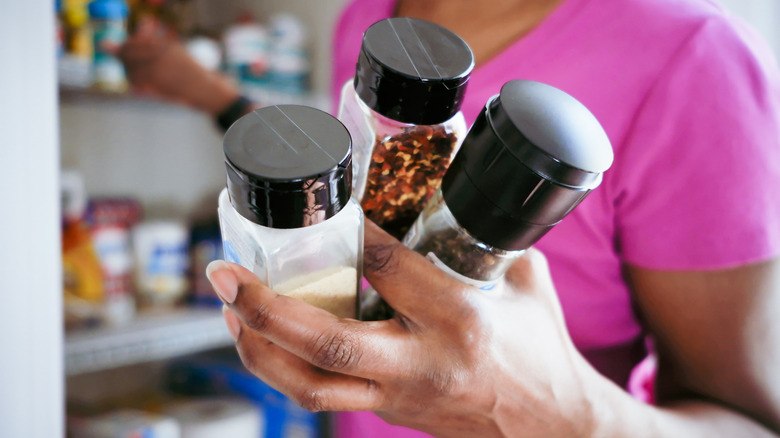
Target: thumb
{"x":530,"y":276}
{"x":530,"y":279}
{"x":530,"y":272}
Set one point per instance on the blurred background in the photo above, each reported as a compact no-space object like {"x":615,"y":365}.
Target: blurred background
{"x":109,"y":217}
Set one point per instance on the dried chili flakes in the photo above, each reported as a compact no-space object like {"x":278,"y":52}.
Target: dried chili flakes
{"x":405,"y":171}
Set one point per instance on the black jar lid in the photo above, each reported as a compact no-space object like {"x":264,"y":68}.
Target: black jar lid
{"x":532,"y":155}
{"x":288,"y":166}
{"x":413,"y":71}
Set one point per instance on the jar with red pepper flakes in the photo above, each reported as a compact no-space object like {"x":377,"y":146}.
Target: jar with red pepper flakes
{"x":403,"y":112}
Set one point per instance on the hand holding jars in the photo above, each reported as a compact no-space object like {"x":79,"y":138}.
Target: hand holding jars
{"x":440,"y":365}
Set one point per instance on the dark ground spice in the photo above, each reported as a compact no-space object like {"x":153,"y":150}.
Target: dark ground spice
{"x":460,"y":254}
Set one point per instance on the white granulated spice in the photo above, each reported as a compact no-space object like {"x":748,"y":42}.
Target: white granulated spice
{"x":332,"y":289}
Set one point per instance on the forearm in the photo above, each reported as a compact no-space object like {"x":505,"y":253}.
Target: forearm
{"x":214,"y":94}
{"x":616,"y":414}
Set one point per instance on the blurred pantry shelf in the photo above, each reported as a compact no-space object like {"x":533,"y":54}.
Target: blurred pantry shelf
{"x":75,"y":93}
{"x":151,"y":337}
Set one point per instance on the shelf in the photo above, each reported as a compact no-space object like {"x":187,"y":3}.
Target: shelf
{"x":150,"y":337}
{"x":71,"y":93}
{"x":88,"y":95}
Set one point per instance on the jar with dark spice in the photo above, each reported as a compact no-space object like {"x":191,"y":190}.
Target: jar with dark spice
{"x":533,"y":155}
{"x":439,"y":237}
{"x":403,"y":112}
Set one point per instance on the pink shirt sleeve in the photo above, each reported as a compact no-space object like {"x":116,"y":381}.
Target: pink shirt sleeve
{"x":698,"y":185}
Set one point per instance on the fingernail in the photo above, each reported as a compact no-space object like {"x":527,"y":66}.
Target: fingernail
{"x":223,"y":280}
{"x":233,"y":325}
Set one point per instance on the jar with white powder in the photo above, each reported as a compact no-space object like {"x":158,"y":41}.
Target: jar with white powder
{"x":287,"y":213}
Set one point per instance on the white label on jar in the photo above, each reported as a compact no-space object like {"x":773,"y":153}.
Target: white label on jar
{"x":112,"y":244}
{"x":239,"y":245}
{"x":236,"y":250}
{"x":479,"y":284}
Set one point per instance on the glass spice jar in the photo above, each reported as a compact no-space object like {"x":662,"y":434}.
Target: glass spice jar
{"x":531,"y":157}
{"x":403,"y":112}
{"x":287,"y":213}
{"x":451,"y":248}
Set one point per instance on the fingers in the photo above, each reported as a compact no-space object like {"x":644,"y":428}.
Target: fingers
{"x":530,"y":271}
{"x":312,"y":388}
{"x":148,"y":27}
{"x":145,"y":44}
{"x":138,"y":58}
{"x":369,"y":350}
{"x":409,"y":282}
{"x":530,"y":275}
{"x":141,"y":50}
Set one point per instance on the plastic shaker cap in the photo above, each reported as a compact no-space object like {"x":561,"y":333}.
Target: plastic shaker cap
{"x":532,"y":155}
{"x":413,"y":71}
{"x":108,"y":9}
{"x":288,"y":166}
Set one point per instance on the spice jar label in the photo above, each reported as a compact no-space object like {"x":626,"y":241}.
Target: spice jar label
{"x":236,"y":247}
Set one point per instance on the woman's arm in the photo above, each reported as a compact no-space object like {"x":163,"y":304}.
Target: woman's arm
{"x":159,"y":66}
{"x":459,"y":362}
{"x":718,"y":342}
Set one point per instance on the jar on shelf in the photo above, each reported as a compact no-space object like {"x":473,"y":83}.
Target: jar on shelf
{"x":403,"y":111}
{"x":109,"y":31}
{"x":161,"y":262}
{"x":287,"y":213}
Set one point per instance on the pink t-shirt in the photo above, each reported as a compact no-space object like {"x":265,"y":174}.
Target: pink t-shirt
{"x":690,"y":99}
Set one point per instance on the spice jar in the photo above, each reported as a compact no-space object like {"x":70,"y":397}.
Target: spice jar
{"x":403,"y":111}
{"x":287,"y":213}
{"x":109,"y":30}
{"x":533,"y":154}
